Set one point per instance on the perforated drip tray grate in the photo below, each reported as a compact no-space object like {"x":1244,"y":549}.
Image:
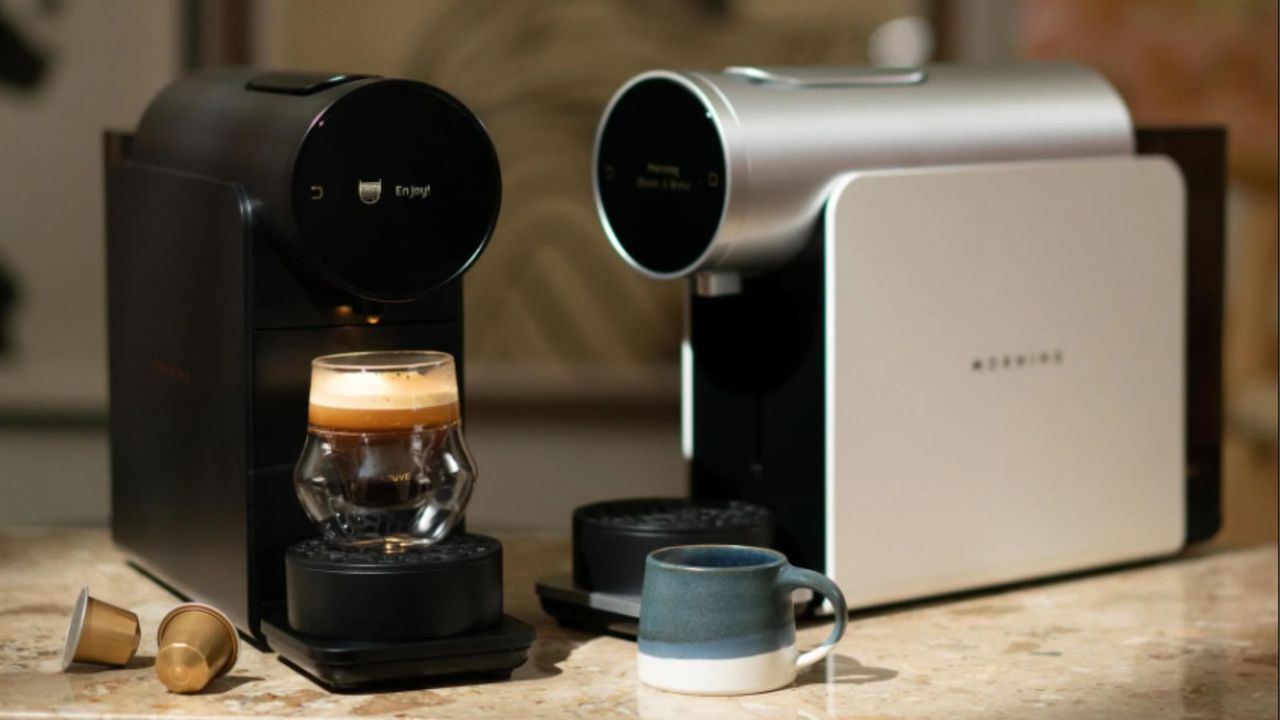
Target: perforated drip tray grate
{"x":459,"y":547}
{"x":674,"y":514}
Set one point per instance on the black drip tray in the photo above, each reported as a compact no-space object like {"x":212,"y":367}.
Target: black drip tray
{"x":612,"y":539}
{"x":450,"y":588}
{"x":350,"y":665}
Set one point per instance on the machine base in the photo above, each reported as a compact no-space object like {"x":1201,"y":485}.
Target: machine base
{"x":352,"y":666}
{"x":614,"y":614}
{"x":595,"y":612}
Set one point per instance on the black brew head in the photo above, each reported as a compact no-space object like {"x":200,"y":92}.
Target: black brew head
{"x":395,"y":190}
{"x":381,"y":189}
{"x":660,"y":176}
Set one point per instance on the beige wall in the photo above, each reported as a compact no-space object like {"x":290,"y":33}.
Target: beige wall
{"x":1179,"y":63}
{"x":107,"y":60}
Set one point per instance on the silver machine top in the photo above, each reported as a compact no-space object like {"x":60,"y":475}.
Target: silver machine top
{"x":720,"y":174}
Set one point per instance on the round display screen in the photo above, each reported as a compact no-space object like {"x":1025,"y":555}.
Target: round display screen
{"x":395,"y":190}
{"x":661,"y":175}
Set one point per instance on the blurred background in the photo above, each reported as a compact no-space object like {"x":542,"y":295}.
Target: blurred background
{"x":572,"y":368}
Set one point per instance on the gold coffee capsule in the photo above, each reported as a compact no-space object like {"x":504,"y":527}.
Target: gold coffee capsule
{"x":100,"y":633}
{"x":197,"y":644}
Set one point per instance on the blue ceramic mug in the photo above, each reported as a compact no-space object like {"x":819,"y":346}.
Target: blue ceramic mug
{"x":718,"y":619}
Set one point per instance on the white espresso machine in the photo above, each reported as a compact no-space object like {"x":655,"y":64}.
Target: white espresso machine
{"x":955,"y":326}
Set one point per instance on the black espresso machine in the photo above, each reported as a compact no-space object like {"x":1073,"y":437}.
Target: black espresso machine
{"x":256,"y":221}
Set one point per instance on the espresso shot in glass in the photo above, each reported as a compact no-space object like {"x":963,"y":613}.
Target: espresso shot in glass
{"x":385,"y":464}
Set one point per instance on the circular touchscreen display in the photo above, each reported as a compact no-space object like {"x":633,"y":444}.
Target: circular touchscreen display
{"x":660,"y":171}
{"x":395,"y":190}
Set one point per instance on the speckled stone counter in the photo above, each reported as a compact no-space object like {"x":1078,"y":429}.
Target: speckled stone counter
{"x":1191,"y":637}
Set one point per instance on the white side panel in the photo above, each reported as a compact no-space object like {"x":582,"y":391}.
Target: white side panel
{"x":947,"y":473}
{"x":686,"y":387}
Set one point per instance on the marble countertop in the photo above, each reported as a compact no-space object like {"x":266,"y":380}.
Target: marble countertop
{"x":1190,"y":637}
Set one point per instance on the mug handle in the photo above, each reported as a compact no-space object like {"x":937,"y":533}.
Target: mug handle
{"x":792,"y":578}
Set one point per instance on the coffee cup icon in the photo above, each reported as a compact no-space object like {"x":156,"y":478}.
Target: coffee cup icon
{"x":370,"y":191}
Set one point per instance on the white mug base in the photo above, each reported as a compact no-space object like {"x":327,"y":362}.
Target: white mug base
{"x":721,"y":676}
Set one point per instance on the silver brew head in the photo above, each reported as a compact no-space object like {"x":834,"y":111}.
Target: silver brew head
{"x":724,"y":174}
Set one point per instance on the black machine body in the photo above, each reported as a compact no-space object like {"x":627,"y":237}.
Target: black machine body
{"x":254,"y":222}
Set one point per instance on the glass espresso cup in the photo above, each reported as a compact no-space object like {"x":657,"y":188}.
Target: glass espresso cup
{"x":385,"y":464}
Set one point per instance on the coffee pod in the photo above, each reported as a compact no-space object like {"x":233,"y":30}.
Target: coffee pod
{"x":100,"y":633}
{"x":197,"y":644}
